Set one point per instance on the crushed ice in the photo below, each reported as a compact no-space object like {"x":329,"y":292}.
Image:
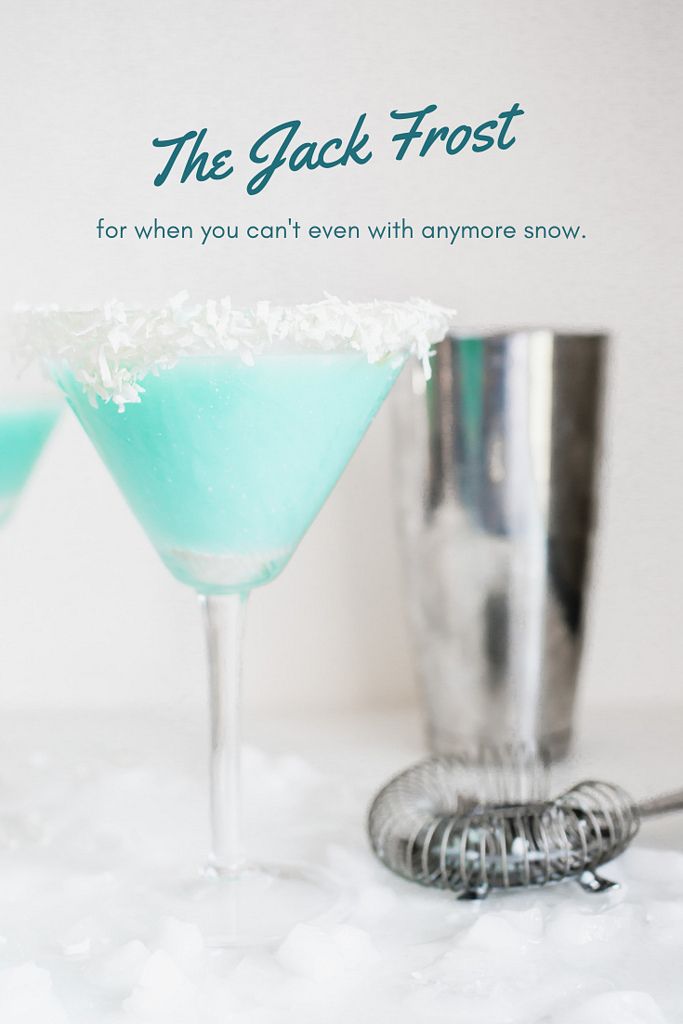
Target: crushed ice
{"x":116,"y":808}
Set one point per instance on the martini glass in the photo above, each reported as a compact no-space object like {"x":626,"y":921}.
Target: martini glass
{"x":225,"y":448}
{"x":28,"y":413}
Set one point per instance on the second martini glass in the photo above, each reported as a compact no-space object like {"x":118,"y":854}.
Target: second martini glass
{"x":28,"y":413}
{"x":226,"y":431}
{"x":25,"y":425}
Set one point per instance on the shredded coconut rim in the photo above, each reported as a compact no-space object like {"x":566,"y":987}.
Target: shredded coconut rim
{"x":111,"y":349}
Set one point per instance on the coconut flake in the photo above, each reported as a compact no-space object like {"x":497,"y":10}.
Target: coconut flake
{"x":110,"y":350}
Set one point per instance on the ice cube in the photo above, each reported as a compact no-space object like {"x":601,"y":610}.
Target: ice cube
{"x":164,"y":994}
{"x":183,"y":942}
{"x":614,"y":1008}
{"x":120,"y":972}
{"x":26,"y":997}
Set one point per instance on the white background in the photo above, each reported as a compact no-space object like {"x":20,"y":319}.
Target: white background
{"x":88,"y":613}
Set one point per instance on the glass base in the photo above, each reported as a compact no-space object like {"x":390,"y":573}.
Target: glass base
{"x":230,"y":573}
{"x":260,"y":904}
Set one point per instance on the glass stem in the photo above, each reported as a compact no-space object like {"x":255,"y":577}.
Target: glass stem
{"x":224,"y":624}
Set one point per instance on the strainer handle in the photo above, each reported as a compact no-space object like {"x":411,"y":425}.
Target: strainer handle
{"x":663,"y":804}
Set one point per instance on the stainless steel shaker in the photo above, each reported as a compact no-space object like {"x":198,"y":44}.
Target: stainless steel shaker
{"x":497,"y":460}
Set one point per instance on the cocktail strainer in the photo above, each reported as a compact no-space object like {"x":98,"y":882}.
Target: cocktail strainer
{"x":475,"y":825}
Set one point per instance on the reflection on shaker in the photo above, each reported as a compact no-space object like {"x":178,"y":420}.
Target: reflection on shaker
{"x":497,"y":464}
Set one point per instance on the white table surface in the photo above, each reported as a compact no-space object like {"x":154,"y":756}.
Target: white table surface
{"x":91,"y":801}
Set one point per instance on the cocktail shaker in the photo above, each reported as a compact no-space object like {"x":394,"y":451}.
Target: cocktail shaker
{"x":497,"y":466}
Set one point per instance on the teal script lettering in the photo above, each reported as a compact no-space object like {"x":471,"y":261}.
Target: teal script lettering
{"x":311,"y":155}
{"x":482,"y":137}
{"x":284,"y":147}
{"x":196,"y":161}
